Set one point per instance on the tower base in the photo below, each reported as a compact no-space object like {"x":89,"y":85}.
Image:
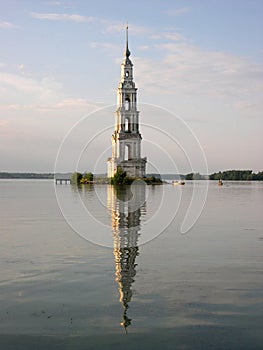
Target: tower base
{"x":134,"y":168}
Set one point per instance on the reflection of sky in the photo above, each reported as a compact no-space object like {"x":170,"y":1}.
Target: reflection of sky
{"x":205,"y":285}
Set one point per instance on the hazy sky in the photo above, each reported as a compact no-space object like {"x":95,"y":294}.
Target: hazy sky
{"x":200,"y":60}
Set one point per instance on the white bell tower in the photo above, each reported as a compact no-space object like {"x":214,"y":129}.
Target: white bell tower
{"x":126,"y":139}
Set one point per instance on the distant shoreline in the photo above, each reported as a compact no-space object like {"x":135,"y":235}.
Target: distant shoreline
{"x":229,"y":175}
{"x":7,"y":175}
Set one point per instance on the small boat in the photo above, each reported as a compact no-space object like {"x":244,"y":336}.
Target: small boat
{"x":180,"y":182}
{"x":220,"y":182}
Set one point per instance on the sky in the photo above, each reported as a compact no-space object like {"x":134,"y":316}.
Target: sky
{"x":198,"y":67}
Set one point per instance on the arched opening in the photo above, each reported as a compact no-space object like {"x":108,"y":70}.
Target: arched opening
{"x":127,"y":103}
{"x":126,"y":152}
{"x":126,"y":125}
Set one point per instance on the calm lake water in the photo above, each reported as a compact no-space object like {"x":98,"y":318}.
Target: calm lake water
{"x":146,"y":285}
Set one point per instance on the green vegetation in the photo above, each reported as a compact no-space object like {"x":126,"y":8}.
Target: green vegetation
{"x":258,"y":176}
{"x":194,"y":176}
{"x":237,"y":175}
{"x":152,"y":180}
{"x":76,"y":178}
{"x":87,"y":178}
{"x":189,"y":176}
{"x":120,"y":178}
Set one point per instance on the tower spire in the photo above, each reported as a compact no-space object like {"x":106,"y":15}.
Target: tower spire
{"x":127,"y":51}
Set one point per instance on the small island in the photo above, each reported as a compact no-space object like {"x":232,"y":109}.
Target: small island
{"x":119,"y":178}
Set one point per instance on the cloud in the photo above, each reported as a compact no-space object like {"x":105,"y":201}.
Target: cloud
{"x":143,"y":47}
{"x":178,"y":12}
{"x":22,"y":92}
{"x":252,"y":105}
{"x":168,"y":36}
{"x":80,"y":103}
{"x":20,"y":83}
{"x":21,"y":66}
{"x":173,"y":36}
{"x":3,"y":122}
{"x":178,"y":67}
{"x":188,"y":70}
{"x":54,"y":3}
{"x":6,"y":25}
{"x":105,"y":45}
{"x":63,"y":105}
{"x":19,"y":89}
{"x":62,"y":17}
{"x":28,"y":85}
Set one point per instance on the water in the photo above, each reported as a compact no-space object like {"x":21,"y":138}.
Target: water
{"x":198,"y":290}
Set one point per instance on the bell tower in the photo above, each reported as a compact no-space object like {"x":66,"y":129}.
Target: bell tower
{"x":126,"y":139}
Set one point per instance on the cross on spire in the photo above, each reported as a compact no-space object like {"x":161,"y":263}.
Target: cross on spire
{"x":127,"y":51}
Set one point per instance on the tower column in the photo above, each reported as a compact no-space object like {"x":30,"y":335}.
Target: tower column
{"x":126,"y":141}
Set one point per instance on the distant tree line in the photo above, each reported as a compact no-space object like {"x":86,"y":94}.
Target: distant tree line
{"x":231,"y":175}
{"x":6,"y":175}
{"x":194,"y":176}
{"x":78,"y":178}
{"x":237,"y":175}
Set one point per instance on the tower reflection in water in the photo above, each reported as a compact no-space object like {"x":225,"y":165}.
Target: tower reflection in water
{"x":127,"y":204}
